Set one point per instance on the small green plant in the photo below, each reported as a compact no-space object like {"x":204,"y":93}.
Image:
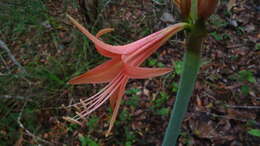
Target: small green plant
{"x":17,"y":19}
{"x":163,"y":111}
{"x":124,"y":116}
{"x":86,"y":141}
{"x":257,"y":46}
{"x":246,"y":75}
{"x":92,"y":122}
{"x":133,"y":97}
{"x":245,"y":89}
{"x":218,"y":21}
{"x":155,"y":63}
{"x":178,"y":67}
{"x":254,"y":132}
{"x":72,"y":127}
{"x":132,"y":91}
{"x":240,"y":30}
{"x":130,"y":137}
{"x":217,"y":36}
{"x":160,"y":101}
{"x":174,"y":87}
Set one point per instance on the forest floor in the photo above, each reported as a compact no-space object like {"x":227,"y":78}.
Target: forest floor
{"x":225,"y":106}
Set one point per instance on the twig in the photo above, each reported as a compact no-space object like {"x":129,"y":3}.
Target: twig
{"x":100,"y":14}
{"x":27,"y":131}
{"x":9,"y":97}
{"x":4,"y":46}
{"x":227,"y":117}
{"x":243,"y":107}
{"x":14,"y":97}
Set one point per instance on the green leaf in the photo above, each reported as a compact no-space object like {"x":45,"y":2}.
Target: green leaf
{"x":254,"y":132}
{"x":163,"y":111}
{"x":217,"y":36}
{"x":174,"y":87}
{"x":247,"y":75}
{"x":245,"y":90}
{"x":132,"y":91}
{"x":85,"y":141}
{"x":178,"y":67}
{"x":92,"y":122}
{"x":257,"y":46}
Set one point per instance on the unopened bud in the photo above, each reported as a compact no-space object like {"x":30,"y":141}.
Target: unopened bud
{"x":205,"y":7}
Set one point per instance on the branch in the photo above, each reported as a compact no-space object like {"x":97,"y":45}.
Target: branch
{"x":27,"y":131}
{"x":228,"y":117}
{"x":4,"y":46}
{"x":9,"y":97}
{"x":243,"y":107}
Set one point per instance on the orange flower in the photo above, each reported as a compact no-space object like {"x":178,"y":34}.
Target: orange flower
{"x":123,"y":64}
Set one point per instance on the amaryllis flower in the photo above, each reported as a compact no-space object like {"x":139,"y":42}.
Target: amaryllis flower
{"x":123,"y":65}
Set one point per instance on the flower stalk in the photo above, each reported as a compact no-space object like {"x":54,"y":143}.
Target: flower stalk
{"x":187,"y":82}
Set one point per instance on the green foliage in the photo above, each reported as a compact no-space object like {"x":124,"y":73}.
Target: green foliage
{"x":8,"y":121}
{"x":217,"y":21}
{"x":72,"y":127}
{"x":240,"y":30}
{"x":86,"y":141}
{"x":130,"y":137}
{"x":133,"y":98}
{"x":132,"y":91}
{"x":124,"y":116}
{"x":163,"y":111}
{"x":155,"y":63}
{"x":18,"y":15}
{"x":178,"y":67}
{"x":217,"y":36}
{"x":92,"y":122}
{"x":160,"y":101}
{"x":186,"y":138}
{"x":174,"y":87}
{"x":246,"y":75}
{"x":245,"y":89}
{"x":257,"y":46}
{"x":254,"y":132}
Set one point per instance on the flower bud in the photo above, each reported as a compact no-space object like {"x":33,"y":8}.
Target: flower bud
{"x":205,"y":7}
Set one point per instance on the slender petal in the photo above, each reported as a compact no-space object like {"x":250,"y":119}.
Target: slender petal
{"x":125,"y":49}
{"x":137,"y":57}
{"x":100,"y":74}
{"x":142,"y":72}
{"x":99,"y":49}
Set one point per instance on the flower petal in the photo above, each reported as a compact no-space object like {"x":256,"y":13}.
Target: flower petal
{"x":125,"y":49}
{"x":142,"y":72}
{"x":99,"y":49}
{"x":118,"y":102}
{"x":100,"y":74}
{"x":137,"y":57}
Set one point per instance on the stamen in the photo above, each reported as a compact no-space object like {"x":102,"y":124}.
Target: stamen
{"x":104,"y":97}
{"x":98,"y":99}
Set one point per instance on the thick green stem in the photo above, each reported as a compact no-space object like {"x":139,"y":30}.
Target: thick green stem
{"x":187,"y":83}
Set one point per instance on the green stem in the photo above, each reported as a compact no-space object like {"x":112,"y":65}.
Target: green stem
{"x":187,"y":82}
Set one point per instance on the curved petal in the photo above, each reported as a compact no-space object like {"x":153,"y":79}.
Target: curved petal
{"x":137,"y":57}
{"x":142,"y":72}
{"x":100,"y":74}
{"x":100,"y":50}
{"x":125,"y":49}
